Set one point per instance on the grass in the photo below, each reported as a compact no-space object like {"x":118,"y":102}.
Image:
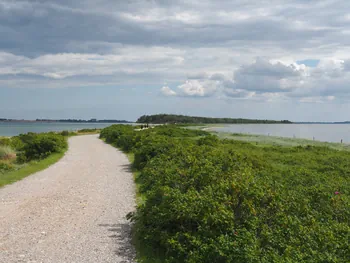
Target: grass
{"x":139,"y":198}
{"x":88,"y":131}
{"x":6,"y":153}
{"x":263,"y":140}
{"x":29,"y":168}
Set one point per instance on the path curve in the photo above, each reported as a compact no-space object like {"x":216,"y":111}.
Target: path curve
{"x":74,"y":211}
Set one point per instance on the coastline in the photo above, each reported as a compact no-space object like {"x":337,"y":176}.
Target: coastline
{"x":264,"y":140}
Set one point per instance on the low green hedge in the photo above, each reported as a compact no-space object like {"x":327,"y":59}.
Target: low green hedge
{"x":208,"y":200}
{"x":39,"y":146}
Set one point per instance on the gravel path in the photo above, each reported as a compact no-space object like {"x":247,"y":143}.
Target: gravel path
{"x":74,"y":211}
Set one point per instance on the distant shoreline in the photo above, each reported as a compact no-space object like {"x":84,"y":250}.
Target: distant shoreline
{"x":341,"y":122}
{"x":63,"y":121}
{"x":116,"y":122}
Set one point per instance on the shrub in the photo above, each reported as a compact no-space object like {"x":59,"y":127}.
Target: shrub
{"x":207,"y":200}
{"x":208,"y":140}
{"x":150,"y":148}
{"x":88,"y":130}
{"x":64,"y":133}
{"x":112,"y":133}
{"x":6,"y":167}
{"x":5,"y":141}
{"x":39,"y":146}
{"x":16,"y":143}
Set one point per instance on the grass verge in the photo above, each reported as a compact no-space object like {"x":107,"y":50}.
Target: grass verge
{"x":263,"y":140}
{"x":30,"y":168}
{"x":143,"y":254}
{"x":136,"y":174}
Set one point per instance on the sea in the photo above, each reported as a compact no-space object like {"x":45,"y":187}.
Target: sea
{"x":318,"y":132}
{"x":16,"y":128}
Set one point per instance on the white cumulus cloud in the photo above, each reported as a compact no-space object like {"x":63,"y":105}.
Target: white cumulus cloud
{"x":167,"y":91}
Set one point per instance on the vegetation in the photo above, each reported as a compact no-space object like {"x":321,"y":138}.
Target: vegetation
{"x":39,"y":146}
{"x":7,"y":153}
{"x":10,"y":173}
{"x":211,"y":200}
{"x":171,"y":118}
{"x":264,"y":140}
{"x":89,"y":131}
{"x":27,"y":153}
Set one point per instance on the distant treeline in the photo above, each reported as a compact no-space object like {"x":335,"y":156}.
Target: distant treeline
{"x":171,"y":118}
{"x":320,"y":122}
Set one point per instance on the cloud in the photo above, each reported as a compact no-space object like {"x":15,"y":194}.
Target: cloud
{"x":267,"y":80}
{"x":167,"y":91}
{"x":317,"y":99}
{"x":197,"y":75}
{"x":234,"y":49}
{"x":194,"y":88}
{"x":36,"y":27}
{"x":263,"y":67}
{"x":239,"y":93}
{"x":128,"y":61}
{"x":263,"y":76}
{"x":198,"y":88}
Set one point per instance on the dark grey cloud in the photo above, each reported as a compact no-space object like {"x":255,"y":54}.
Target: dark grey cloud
{"x":263,"y":76}
{"x":37,"y":27}
{"x":262,"y":67}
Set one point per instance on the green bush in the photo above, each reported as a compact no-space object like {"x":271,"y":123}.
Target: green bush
{"x":207,"y":200}
{"x":16,"y":143}
{"x":5,"y":141}
{"x":150,"y":148}
{"x":39,"y":146}
{"x":112,"y":133}
{"x":88,"y":130}
{"x":64,"y":133}
{"x":6,"y":167}
{"x":208,"y":140}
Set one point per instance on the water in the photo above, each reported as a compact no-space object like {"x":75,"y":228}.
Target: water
{"x":15,"y":128}
{"x":318,"y":132}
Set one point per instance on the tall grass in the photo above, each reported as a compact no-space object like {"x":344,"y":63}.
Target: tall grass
{"x":7,"y":153}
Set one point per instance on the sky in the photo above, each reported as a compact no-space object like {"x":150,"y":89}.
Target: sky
{"x":113,"y":59}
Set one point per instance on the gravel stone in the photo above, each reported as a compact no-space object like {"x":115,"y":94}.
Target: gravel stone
{"x":74,"y":211}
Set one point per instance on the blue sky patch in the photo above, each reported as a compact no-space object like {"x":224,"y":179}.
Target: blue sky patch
{"x":309,"y":62}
